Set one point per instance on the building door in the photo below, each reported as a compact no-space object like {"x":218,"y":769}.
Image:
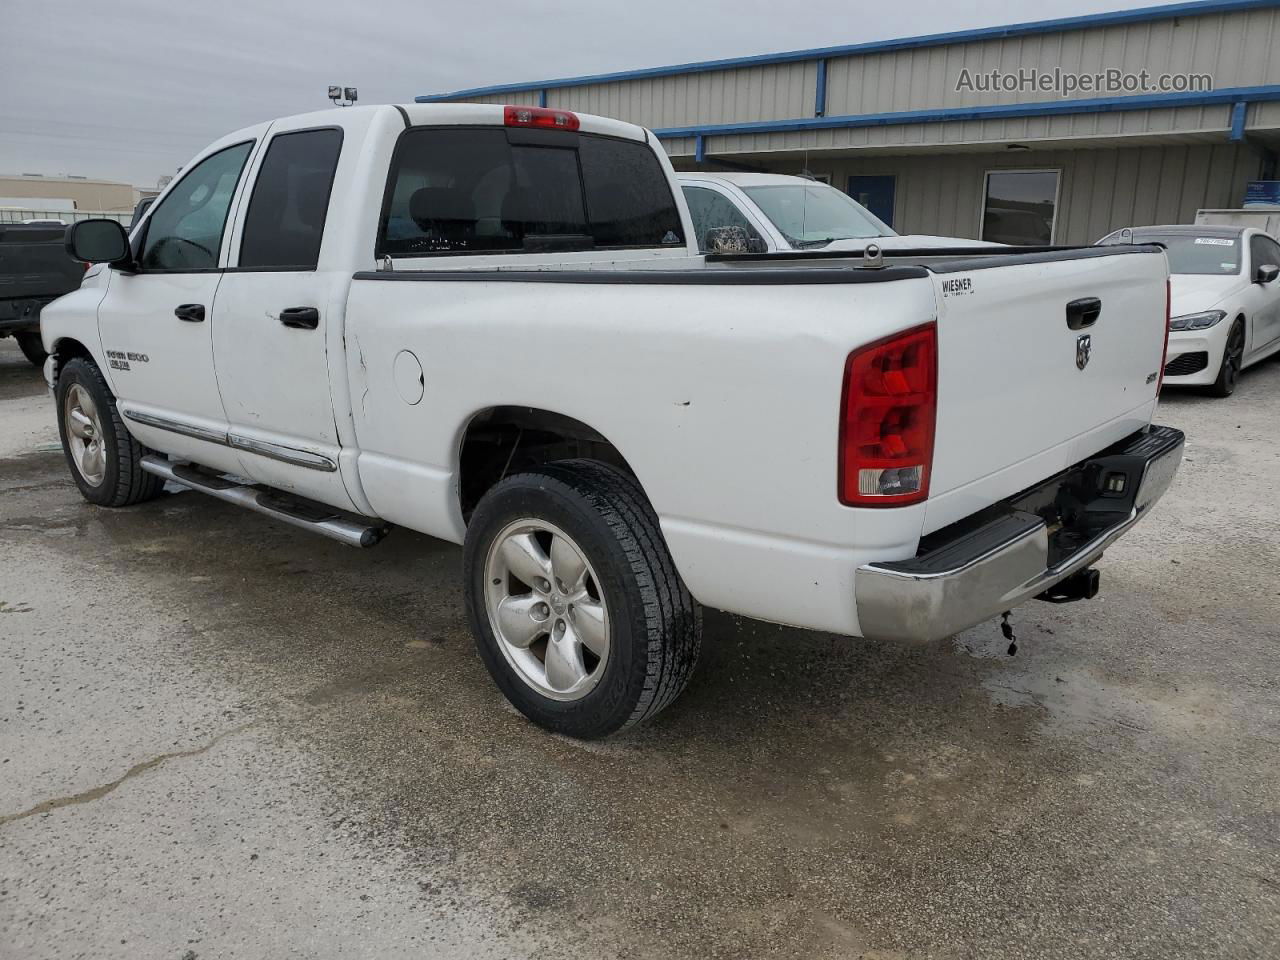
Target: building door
{"x":876,"y":194}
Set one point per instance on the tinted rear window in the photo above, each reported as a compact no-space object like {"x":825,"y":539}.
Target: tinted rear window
{"x":285,"y":220}
{"x":465,"y":190}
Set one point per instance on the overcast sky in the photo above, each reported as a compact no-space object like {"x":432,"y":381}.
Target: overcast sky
{"x":130,"y":89}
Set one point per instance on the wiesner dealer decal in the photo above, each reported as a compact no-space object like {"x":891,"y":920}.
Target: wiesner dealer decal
{"x":957,"y":287}
{"x":120,"y":360}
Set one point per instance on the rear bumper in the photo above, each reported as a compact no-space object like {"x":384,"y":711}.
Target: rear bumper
{"x":1017,"y":549}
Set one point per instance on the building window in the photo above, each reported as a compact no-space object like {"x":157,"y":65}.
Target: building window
{"x":1019,"y":207}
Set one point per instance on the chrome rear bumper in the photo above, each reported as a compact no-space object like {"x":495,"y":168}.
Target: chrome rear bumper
{"x":990,"y":563}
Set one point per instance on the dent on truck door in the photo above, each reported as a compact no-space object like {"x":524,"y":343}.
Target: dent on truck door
{"x":275,"y":312}
{"x":154,"y":323}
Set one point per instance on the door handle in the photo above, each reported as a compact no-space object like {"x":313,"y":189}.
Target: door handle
{"x":304,"y":318}
{"x":191,"y":312}
{"x":1083,"y":312}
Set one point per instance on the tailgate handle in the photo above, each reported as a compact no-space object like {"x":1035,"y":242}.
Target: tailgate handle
{"x":1083,"y":312}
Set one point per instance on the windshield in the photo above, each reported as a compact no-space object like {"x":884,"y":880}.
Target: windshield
{"x":813,"y":214}
{"x":1187,"y":253}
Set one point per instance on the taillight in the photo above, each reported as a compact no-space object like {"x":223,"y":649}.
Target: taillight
{"x":1168,"y":317}
{"x":887,"y":416}
{"x":539,"y":117}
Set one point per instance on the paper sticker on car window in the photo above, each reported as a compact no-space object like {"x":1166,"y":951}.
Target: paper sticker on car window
{"x":1227,"y":266}
{"x":1215,"y":241}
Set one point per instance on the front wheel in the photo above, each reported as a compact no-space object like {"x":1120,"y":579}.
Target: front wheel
{"x":31,"y":346}
{"x":1232,"y":361}
{"x":575,"y":603}
{"x":105,"y":459}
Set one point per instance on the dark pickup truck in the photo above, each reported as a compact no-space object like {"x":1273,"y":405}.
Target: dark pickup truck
{"x":34,"y":270}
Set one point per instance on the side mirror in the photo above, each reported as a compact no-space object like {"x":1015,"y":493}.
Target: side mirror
{"x":1266,"y":273}
{"x":732,"y":240}
{"x":97,"y":241}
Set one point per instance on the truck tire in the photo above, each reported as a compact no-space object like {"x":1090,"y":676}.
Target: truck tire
{"x":574,"y":601}
{"x":31,"y":346}
{"x":104,"y":458}
{"x":1232,"y":361}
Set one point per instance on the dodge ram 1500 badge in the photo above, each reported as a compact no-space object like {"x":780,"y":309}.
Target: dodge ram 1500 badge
{"x":492,"y":325}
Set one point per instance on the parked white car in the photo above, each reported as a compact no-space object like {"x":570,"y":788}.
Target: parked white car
{"x":785,"y":213}
{"x":1225,"y":300}
{"x":491,"y":325}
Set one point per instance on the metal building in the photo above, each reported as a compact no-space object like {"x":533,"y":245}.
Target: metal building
{"x":911,"y":128}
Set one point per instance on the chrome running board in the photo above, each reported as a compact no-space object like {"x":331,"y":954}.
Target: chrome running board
{"x":305,"y":514}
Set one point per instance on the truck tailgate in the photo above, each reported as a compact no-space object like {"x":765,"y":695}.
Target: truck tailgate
{"x":1028,"y":385}
{"x":34,"y":263}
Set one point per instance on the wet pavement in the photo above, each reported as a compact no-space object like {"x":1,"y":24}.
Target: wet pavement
{"x":222,"y":737}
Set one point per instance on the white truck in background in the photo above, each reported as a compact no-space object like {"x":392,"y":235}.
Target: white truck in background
{"x":779,"y":213}
{"x":492,"y":325}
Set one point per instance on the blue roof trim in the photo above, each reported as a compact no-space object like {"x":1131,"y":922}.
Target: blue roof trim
{"x":1036,"y":109}
{"x":1115,"y":18}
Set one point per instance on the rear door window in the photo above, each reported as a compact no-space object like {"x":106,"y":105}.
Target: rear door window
{"x":476,"y":190}
{"x":284,"y":223}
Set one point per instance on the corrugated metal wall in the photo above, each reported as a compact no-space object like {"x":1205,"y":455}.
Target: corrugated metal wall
{"x":731,"y":96}
{"x":1236,"y":49}
{"x":1099,"y":190}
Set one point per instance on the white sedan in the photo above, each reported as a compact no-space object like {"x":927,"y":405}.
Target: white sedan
{"x":1225,"y":300}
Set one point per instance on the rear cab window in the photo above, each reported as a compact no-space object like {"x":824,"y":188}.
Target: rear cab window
{"x":484,"y":190}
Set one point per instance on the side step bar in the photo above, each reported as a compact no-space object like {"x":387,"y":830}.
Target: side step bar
{"x":300,"y":513}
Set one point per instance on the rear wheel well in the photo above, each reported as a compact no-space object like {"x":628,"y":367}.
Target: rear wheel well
{"x":502,"y":441}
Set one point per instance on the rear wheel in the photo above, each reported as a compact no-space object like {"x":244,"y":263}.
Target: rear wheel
{"x":1232,"y":361}
{"x":575,"y":603}
{"x":31,"y":346}
{"x":105,"y":459}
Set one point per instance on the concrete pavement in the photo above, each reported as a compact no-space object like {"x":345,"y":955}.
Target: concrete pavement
{"x":221,"y":737}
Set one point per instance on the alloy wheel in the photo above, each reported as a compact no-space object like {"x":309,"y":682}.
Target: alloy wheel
{"x":546,"y":609}
{"x":84,"y":435}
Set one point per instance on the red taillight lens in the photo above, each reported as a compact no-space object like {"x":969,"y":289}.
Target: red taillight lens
{"x":887,"y":417}
{"x":1168,"y":316}
{"x":539,"y":117}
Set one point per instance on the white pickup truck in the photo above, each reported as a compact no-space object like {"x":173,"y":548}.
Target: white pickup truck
{"x":492,"y":325}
